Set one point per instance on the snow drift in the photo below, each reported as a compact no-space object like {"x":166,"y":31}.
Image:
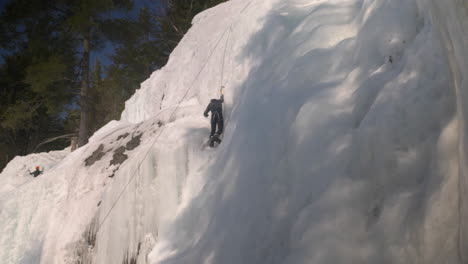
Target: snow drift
{"x":345,"y":142}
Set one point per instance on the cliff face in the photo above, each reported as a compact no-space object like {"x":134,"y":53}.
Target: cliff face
{"x":345,"y":142}
{"x":451,"y":19}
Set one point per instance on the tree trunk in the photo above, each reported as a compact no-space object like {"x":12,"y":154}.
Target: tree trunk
{"x":84,"y":99}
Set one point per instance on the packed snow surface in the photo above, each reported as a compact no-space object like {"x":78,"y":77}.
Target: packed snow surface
{"x":345,"y":142}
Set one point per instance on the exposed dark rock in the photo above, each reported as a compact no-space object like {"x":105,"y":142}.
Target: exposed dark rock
{"x":123,"y":136}
{"x":97,"y":155}
{"x":138,"y":248}
{"x":129,"y":260}
{"x":119,"y":154}
{"x":133,"y":143}
{"x":113,"y":172}
{"x":91,"y":234}
{"x":119,"y":157}
{"x":84,"y":248}
{"x":162,"y":99}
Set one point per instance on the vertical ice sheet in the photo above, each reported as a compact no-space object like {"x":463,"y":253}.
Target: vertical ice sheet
{"x":451,"y":18}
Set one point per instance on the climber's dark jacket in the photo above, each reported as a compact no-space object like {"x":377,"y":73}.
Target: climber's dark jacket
{"x":216,"y":109}
{"x":36,"y":173}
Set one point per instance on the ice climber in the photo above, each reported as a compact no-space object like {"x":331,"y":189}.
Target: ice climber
{"x":216,"y":108}
{"x":36,"y":173}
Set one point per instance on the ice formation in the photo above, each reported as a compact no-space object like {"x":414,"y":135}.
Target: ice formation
{"x":345,"y":142}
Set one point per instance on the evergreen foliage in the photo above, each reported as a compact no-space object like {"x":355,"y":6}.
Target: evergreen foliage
{"x":48,"y":87}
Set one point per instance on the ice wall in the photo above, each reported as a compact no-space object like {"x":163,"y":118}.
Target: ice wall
{"x":451,"y":19}
{"x":345,"y":143}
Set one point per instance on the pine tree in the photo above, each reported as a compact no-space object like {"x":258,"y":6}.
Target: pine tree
{"x":94,"y":95}
{"x":36,"y":76}
{"x":87,"y":20}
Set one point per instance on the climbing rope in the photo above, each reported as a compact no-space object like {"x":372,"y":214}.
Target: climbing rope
{"x":222,"y":74}
{"x":170,"y":118}
{"x":224,"y":58}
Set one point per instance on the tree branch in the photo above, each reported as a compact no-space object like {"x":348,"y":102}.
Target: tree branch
{"x":53,"y":139}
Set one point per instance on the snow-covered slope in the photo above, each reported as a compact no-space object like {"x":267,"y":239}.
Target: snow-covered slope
{"x":345,"y":143}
